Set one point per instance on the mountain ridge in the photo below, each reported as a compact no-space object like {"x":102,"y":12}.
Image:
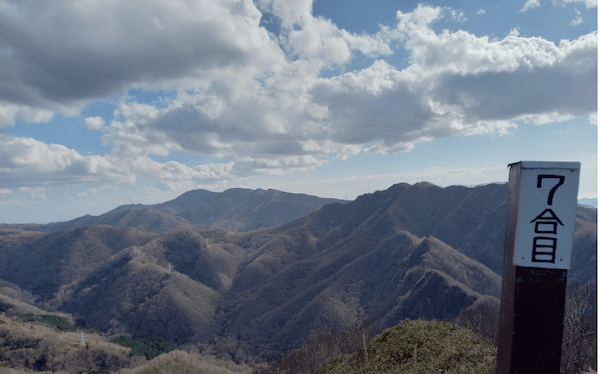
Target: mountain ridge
{"x":409,"y":251}
{"x":238,"y":209}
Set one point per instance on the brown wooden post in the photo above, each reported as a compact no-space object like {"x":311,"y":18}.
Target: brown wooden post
{"x":540,"y":221}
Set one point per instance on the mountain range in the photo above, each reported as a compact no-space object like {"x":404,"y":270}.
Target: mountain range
{"x":588,"y":202}
{"x":177,"y":271}
{"x":236,"y":209}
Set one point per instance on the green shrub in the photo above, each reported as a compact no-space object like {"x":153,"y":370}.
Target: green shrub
{"x":143,"y":346}
{"x":419,"y":347}
{"x":26,"y":317}
{"x":4,"y":307}
{"x":60,"y":322}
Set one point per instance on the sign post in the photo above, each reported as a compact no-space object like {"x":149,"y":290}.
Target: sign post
{"x":540,"y":222}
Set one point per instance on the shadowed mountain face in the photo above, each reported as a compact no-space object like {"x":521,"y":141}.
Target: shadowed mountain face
{"x":303,"y":290}
{"x":235,"y":209}
{"x":408,"y":252}
{"x":45,"y":263}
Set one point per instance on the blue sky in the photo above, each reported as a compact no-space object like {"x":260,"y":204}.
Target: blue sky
{"x":104,"y":103}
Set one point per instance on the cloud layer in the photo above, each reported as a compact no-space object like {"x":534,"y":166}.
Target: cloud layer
{"x":257,"y":99}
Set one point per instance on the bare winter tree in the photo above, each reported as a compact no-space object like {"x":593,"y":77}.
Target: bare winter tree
{"x":579,"y":330}
{"x":482,"y":319}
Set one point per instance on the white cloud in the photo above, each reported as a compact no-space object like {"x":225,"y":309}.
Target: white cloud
{"x":173,"y":171}
{"x":530,"y":4}
{"x":28,"y":163}
{"x":594,"y":119}
{"x":11,"y":202}
{"x":34,"y":192}
{"x":94,"y":123}
{"x":316,"y":40}
{"x":457,"y":84}
{"x":480,"y":12}
{"x":588,"y":3}
{"x":578,"y":19}
{"x":32,"y":189}
{"x":256,"y":100}
{"x":9,"y":112}
{"x":276,"y":166}
{"x":104,"y":47}
{"x":458,"y":15}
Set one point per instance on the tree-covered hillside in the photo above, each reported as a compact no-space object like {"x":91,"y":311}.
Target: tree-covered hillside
{"x":411,"y":251}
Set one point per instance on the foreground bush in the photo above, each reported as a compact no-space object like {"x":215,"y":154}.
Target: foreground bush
{"x":419,"y":347}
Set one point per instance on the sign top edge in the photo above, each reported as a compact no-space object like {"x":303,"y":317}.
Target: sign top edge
{"x":548,"y":165}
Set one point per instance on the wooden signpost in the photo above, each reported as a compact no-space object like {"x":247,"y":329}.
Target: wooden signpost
{"x":540,"y":222}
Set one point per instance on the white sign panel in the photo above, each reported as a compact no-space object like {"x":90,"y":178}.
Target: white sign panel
{"x":546,"y":218}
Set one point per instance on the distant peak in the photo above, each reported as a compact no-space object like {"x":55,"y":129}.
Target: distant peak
{"x":424,"y":184}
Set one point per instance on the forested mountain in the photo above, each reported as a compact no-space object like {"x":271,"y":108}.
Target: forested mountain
{"x":410,"y":251}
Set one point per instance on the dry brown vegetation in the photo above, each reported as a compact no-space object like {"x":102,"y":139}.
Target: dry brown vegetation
{"x":69,"y":341}
{"x":27,"y":347}
{"x":481,"y":319}
{"x":579,"y":345}
{"x":32,"y":346}
{"x":179,"y":362}
{"x":314,"y":354}
{"x":580,"y":330}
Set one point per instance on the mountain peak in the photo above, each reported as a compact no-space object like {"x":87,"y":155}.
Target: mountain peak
{"x":424,"y":184}
{"x":186,"y":198}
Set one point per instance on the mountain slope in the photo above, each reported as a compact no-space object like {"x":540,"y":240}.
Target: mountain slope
{"x":43,"y":263}
{"x":344,"y":264}
{"x":236,"y":209}
{"x":245,"y":210}
{"x":409,"y":251}
{"x":472,"y":220}
{"x":169,"y":287}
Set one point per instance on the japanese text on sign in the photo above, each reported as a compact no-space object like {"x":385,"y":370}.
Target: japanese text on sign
{"x":546,"y":216}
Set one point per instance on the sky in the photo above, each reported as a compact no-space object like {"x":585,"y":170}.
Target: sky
{"x":105,"y":103}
